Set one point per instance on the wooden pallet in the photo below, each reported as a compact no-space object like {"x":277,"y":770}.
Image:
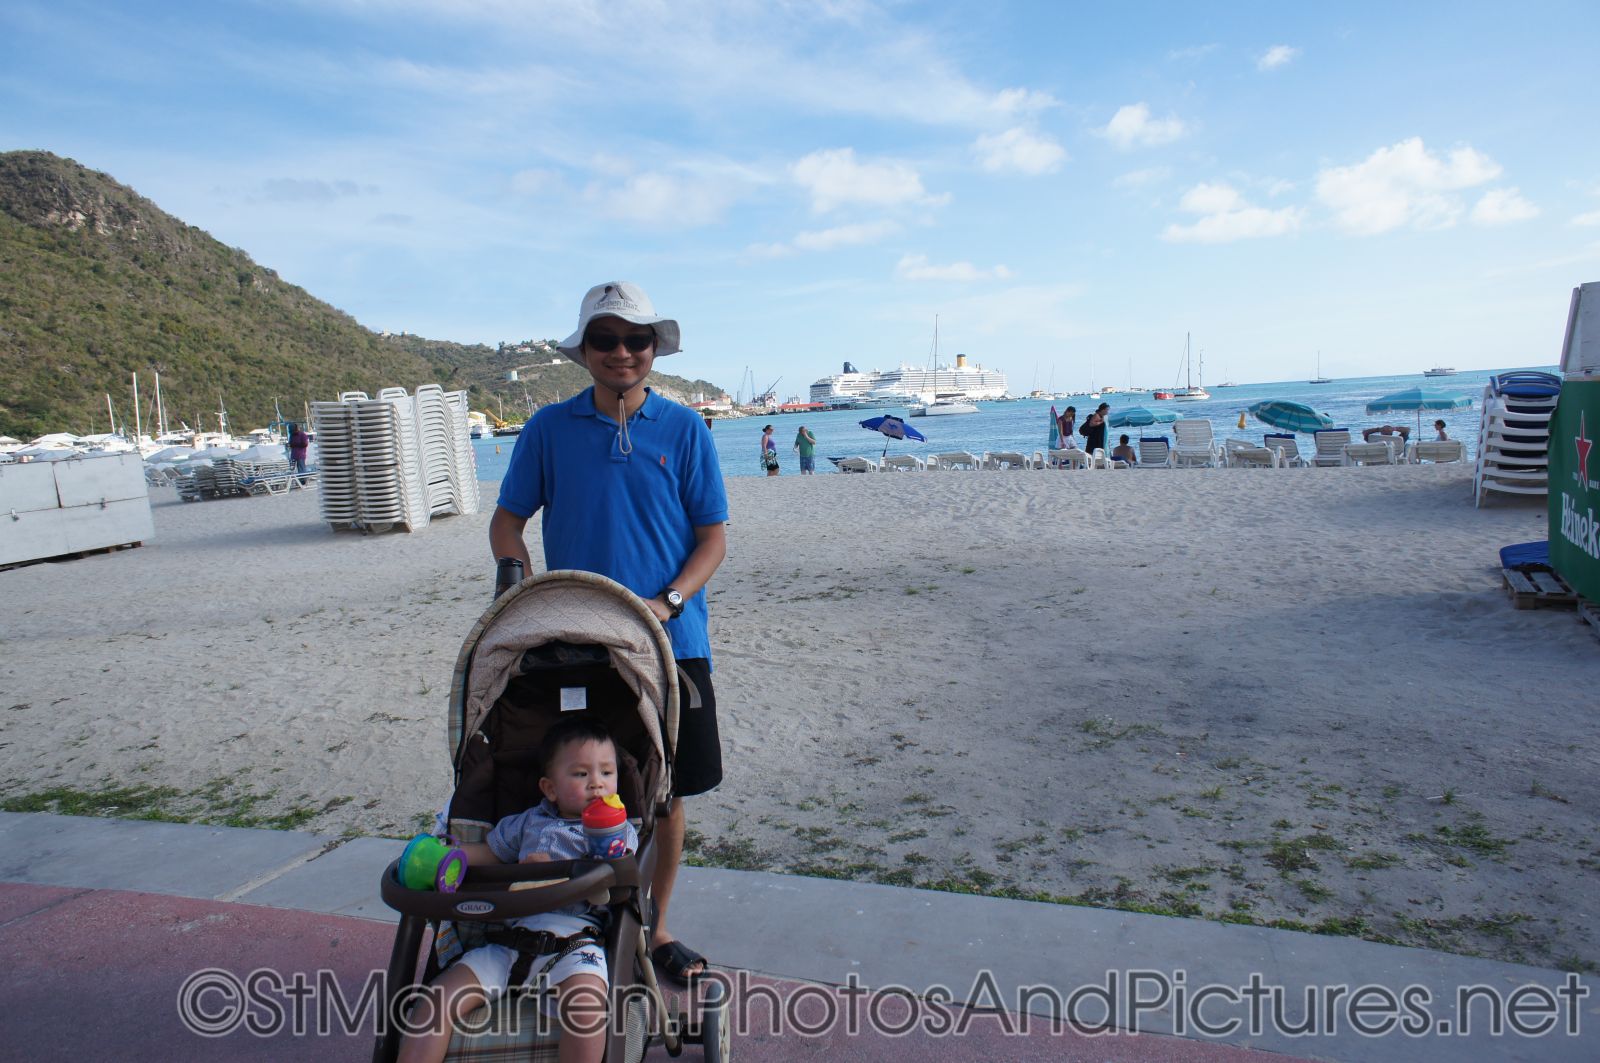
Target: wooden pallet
{"x":1536,"y":587}
{"x":1589,"y":613}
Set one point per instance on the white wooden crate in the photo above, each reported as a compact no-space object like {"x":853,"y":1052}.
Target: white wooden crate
{"x":64,"y":507}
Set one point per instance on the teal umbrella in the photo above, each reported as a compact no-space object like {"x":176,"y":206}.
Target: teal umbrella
{"x":1290,"y":416}
{"x":1141,"y":417}
{"x":1419,"y":399}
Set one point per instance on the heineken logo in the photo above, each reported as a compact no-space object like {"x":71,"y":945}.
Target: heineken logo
{"x":1583,"y":443}
{"x":1579,"y":527}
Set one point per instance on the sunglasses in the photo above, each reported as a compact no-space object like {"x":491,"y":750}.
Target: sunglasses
{"x":606,"y":342}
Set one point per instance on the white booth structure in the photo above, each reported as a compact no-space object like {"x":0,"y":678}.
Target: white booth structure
{"x":50,"y":508}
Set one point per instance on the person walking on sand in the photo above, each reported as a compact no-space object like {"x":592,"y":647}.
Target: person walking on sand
{"x":806,"y":444}
{"x":1094,"y":429}
{"x":629,"y":490}
{"x":769,"y":452}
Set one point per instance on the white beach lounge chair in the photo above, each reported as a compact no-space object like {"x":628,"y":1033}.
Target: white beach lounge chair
{"x":1006,"y":459}
{"x":1330,"y":446}
{"x":900,"y":463}
{"x":856,"y":465}
{"x":1287,"y":448}
{"x":1437,"y":450}
{"x":1242,"y":452}
{"x":1155,"y":452}
{"x":955,"y":459}
{"x":1194,"y":444}
{"x":1062,"y":458}
{"x":1378,"y":452}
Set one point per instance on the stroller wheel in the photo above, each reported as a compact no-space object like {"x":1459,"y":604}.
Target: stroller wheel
{"x":714,"y":1020}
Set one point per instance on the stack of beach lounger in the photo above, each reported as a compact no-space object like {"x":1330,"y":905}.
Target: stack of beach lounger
{"x":231,"y":478}
{"x":397,"y":460}
{"x":1514,"y":436}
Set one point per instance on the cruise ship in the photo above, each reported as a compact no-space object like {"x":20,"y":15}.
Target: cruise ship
{"x":915,"y":383}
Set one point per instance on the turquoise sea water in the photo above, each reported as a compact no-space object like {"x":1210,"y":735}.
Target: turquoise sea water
{"x":1024,"y":425}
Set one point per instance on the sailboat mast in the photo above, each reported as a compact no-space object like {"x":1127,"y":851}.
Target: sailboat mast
{"x":1187,"y":383}
{"x":138,"y":425}
{"x":111,"y":417}
{"x":161,"y":413}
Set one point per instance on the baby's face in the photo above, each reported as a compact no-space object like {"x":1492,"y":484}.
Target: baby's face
{"x":582,"y":771}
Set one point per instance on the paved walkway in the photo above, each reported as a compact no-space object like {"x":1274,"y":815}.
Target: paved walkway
{"x":124,"y":913}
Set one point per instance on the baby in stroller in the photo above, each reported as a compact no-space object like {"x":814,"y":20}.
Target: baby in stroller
{"x":557,"y":647}
{"x":578,"y":764}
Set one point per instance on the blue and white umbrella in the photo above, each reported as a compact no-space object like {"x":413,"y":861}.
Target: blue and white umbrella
{"x":1290,"y":416}
{"x":1141,"y":417}
{"x":893,"y":427}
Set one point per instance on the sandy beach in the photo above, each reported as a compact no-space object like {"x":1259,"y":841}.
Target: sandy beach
{"x":1296,"y":695}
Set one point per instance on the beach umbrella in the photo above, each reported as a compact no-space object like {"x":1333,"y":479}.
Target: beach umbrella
{"x":1419,"y":399}
{"x":892,"y":427}
{"x":1141,"y":417}
{"x":1290,"y":416}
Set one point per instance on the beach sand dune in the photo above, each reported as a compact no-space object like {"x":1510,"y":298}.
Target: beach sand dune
{"x":1293,"y":696}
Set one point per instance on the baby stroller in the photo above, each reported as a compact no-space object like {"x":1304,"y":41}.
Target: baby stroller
{"x":555,"y":642}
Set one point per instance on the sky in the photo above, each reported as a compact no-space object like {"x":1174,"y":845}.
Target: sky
{"x":1069,"y":189}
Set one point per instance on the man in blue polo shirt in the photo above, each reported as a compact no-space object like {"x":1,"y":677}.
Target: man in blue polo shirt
{"x":630,"y":487}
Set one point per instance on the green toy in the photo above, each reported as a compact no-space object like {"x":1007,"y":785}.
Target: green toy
{"x":430,"y":863}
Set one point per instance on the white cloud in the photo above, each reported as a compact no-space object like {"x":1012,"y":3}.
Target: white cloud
{"x":1021,"y":101}
{"x":311,"y":190}
{"x":1591,"y":218}
{"x":1132,"y":127}
{"x":1403,"y":185}
{"x":1276,"y":56}
{"x":845,"y":236}
{"x":918,"y":268}
{"x":662,"y":200}
{"x":1021,"y":151}
{"x":1225,"y":216}
{"x":834,"y":178}
{"x":1502,"y":206}
{"x":1141,"y":178}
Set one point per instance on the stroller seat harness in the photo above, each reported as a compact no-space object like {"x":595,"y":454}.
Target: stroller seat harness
{"x":531,"y":944}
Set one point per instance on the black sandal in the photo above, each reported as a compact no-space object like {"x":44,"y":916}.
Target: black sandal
{"x":674,"y":960}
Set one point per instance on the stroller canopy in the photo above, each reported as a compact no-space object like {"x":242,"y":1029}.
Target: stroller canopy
{"x":575,"y":607}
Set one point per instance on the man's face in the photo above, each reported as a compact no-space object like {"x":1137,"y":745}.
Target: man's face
{"x":618,"y":369}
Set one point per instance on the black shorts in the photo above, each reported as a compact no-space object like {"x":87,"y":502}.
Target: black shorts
{"x":697,"y":767}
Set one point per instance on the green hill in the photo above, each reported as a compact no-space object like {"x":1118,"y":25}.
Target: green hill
{"x":97,"y":283}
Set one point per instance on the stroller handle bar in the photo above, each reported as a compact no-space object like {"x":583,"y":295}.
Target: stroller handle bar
{"x":569,"y":882}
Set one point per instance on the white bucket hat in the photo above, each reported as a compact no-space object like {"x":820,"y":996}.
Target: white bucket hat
{"x":623,"y":300}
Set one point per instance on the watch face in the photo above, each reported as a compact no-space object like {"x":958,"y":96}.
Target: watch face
{"x":674,"y":598}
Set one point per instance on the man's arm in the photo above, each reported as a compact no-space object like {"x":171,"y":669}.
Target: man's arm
{"x":711,"y":546}
{"x":505,"y":537}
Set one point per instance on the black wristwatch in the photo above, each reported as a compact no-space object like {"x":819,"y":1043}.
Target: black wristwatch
{"x":674,"y":602}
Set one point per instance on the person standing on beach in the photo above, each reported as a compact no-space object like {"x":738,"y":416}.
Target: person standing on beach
{"x":1067,"y":423}
{"x":806,"y":444}
{"x":630,"y":487}
{"x":299,"y":443}
{"x":1094,"y":429}
{"x":769,"y":452}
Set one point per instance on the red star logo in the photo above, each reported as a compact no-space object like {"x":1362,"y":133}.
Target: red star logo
{"x":1583,"y":443}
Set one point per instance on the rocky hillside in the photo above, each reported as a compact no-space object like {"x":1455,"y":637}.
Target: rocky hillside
{"x":97,"y":282}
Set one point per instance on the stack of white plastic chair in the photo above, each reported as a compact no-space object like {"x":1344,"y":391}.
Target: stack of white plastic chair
{"x":387,"y":473}
{"x":435,"y":448}
{"x":464,"y":463}
{"x":1514,"y":436}
{"x":333,"y":423}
